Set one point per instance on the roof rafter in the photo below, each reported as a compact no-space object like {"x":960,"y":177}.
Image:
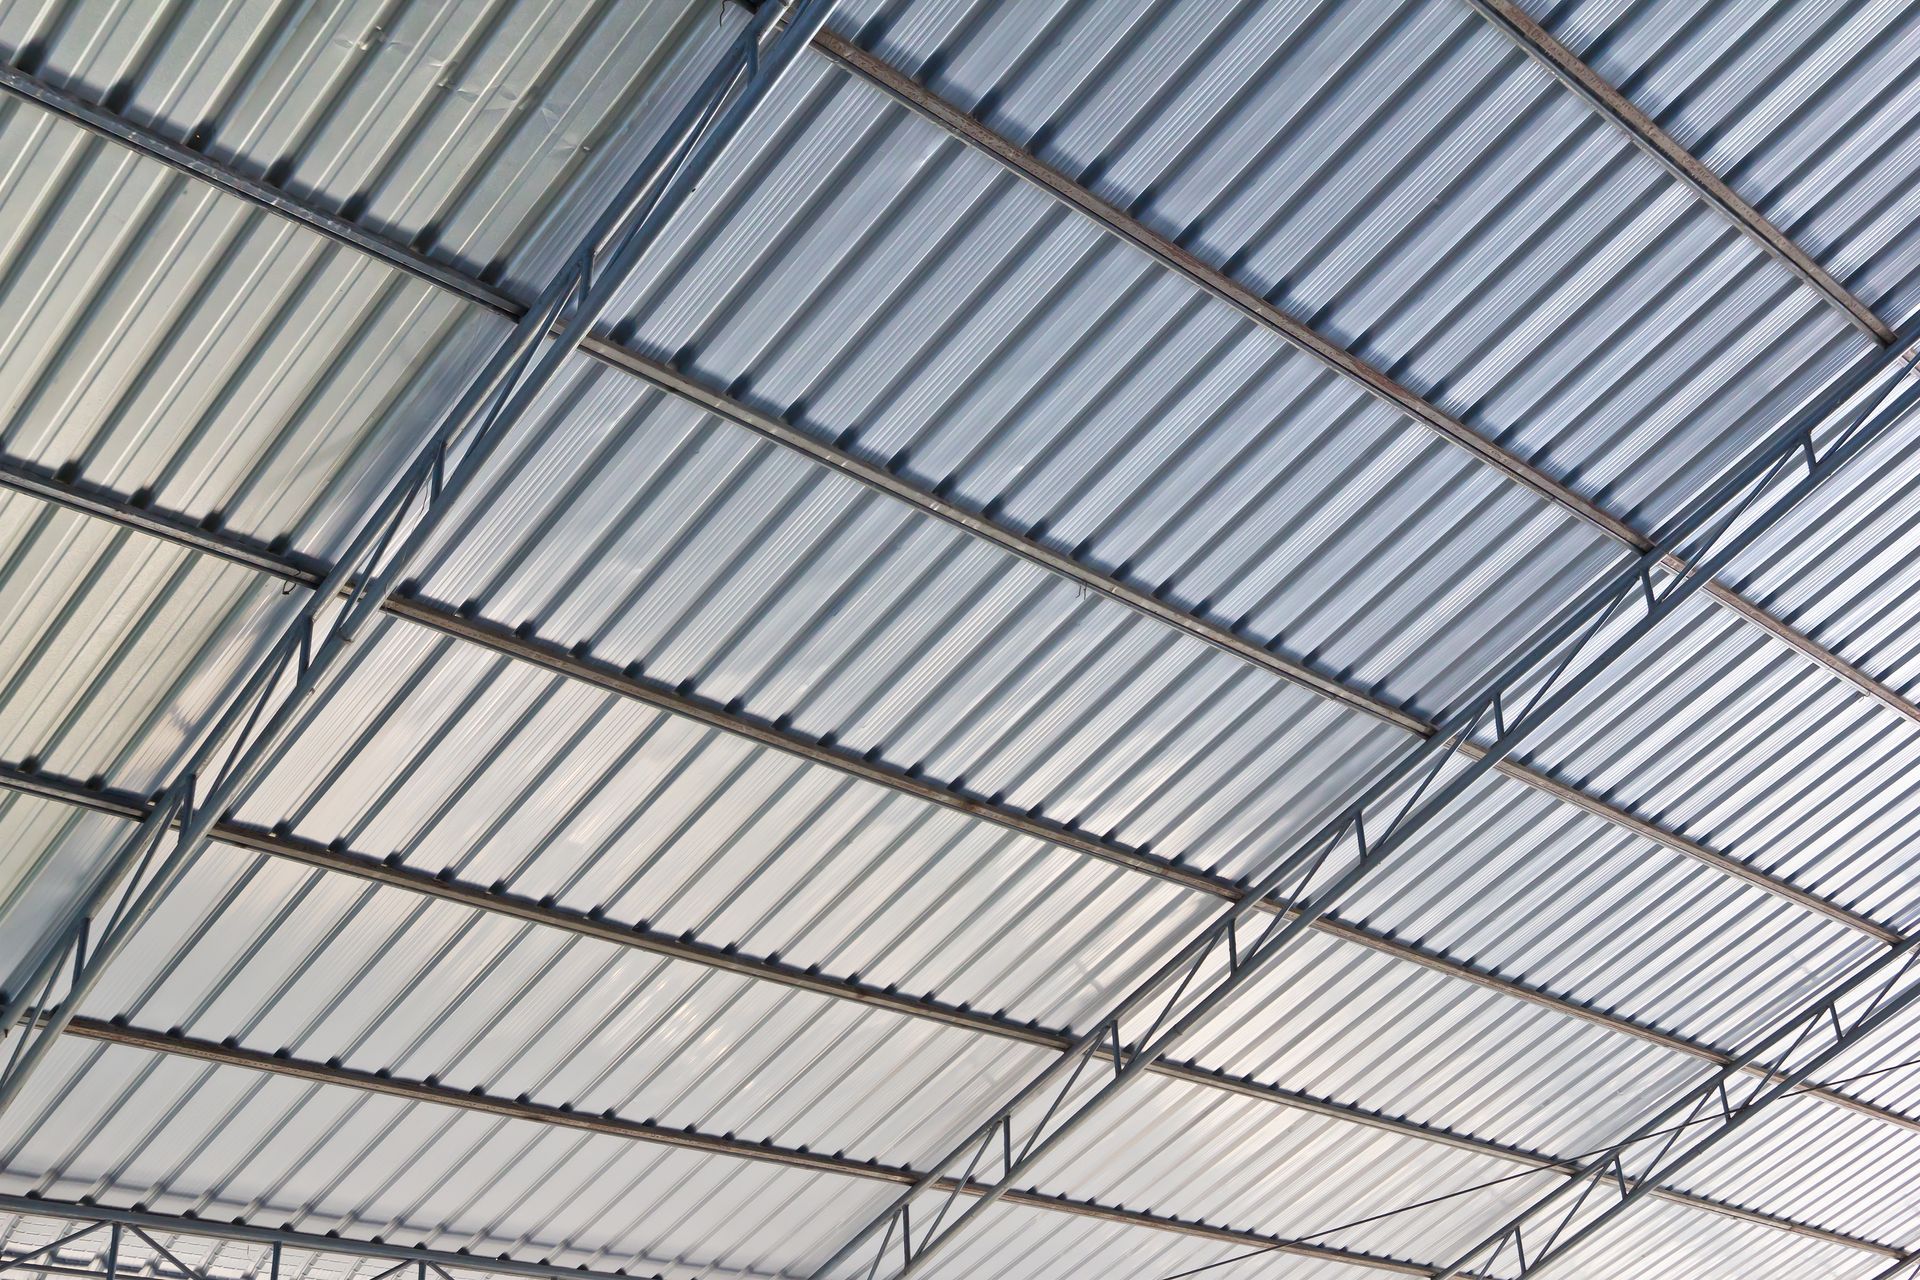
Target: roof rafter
{"x":1512,"y":21}
{"x":25,"y":476}
{"x":688,"y":1138}
{"x":646,"y":939}
{"x":562,"y":659}
{"x":977,"y":135}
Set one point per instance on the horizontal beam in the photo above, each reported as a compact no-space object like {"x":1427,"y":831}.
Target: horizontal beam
{"x":683,"y":386}
{"x":565,"y":660}
{"x":607,"y":1124}
{"x":643,"y":938}
{"x":1533,"y":39}
{"x":978,"y":136}
{"x":333,"y":1246}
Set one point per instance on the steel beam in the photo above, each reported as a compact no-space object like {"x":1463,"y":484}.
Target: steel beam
{"x":975,"y":134}
{"x":262,"y":710}
{"x":333,"y":1246}
{"x":1697,"y":1121}
{"x":25,"y":476}
{"x":1512,"y":22}
{"x":1595,"y":631}
{"x":930,"y":1008}
{"x":607,"y":1124}
{"x":568,"y":661}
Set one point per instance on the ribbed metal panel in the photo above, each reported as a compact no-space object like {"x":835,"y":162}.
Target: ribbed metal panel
{"x":114,"y":646}
{"x":1398,"y":177}
{"x":1807,"y":110}
{"x":174,"y":343}
{"x":223,"y":1142}
{"x":1665,"y":1241}
{"x":226,"y":1259}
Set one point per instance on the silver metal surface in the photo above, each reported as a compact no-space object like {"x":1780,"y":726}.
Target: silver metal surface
{"x":748,"y":754}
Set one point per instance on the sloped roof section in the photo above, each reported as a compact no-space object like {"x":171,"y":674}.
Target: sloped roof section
{"x":1053,"y":462}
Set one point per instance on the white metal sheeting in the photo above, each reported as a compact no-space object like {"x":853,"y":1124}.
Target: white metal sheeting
{"x":1528,"y":980}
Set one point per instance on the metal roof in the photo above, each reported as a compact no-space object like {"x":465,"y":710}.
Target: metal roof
{"x":1056,"y":458}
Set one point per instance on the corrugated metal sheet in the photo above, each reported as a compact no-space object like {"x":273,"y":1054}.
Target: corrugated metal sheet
{"x":1398,"y":177}
{"x":1807,"y":110}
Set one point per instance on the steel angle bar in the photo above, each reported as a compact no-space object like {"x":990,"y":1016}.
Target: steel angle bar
{"x":1151,"y":602}
{"x":499,"y":901}
{"x":1596,"y":630}
{"x":276,"y":1238}
{"x":252,"y":731}
{"x":1512,"y":21}
{"x":1906,"y":1267}
{"x":970,"y":131}
{"x":47,"y":1250}
{"x":1697,"y":1121}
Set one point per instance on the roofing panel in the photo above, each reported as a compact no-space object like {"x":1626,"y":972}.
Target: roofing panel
{"x":1754,"y":750}
{"x":229,"y":1260}
{"x":1807,"y":1161}
{"x":276,"y":958}
{"x":115,"y":649}
{"x":461,"y":762}
{"x":175,"y":344}
{"x":1805,"y":109}
{"x":49,"y":854}
{"x":465,"y":129}
{"x":1665,"y":1240}
{"x":1400,"y":178}
{"x":225,"y":1142}
{"x":1403,"y":179}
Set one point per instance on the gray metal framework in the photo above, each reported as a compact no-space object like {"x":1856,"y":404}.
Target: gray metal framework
{"x":1698,"y":1120}
{"x":1512,"y":21}
{"x":77,"y":494}
{"x":687,"y":1138}
{"x":1329,"y":866}
{"x":929,"y":1008}
{"x":24,"y":477}
{"x":277,"y":1239}
{"x":260,"y":717}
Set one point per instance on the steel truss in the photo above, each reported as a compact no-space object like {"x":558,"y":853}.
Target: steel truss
{"x":643,"y":938}
{"x":1069,"y":564}
{"x":721,"y":1145}
{"x":1698,"y":1120}
{"x":146,"y":1224}
{"x":1568,"y":655}
{"x":1512,"y":21}
{"x":567,"y":660}
{"x":110,"y":1268}
{"x":259,"y":719}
